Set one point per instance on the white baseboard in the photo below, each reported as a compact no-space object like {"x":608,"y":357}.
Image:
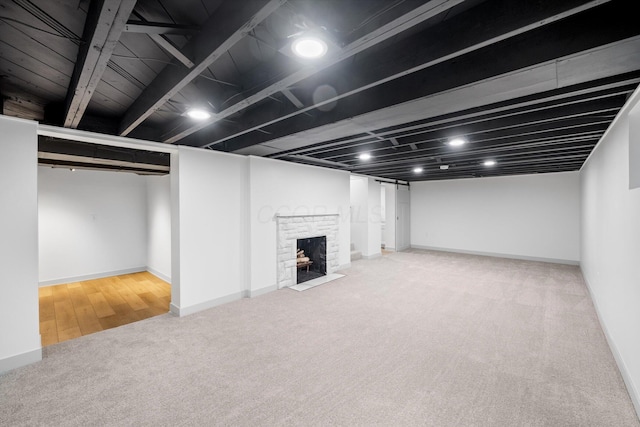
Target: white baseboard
{"x":19,"y":360}
{"x":262,"y":291}
{"x":622,"y":367}
{"x":185,"y":311}
{"x":92,"y":276}
{"x":498,"y":255}
{"x":344,"y":266}
{"x":374,"y":256}
{"x":159,"y":275}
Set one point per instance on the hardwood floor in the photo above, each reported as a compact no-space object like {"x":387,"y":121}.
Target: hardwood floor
{"x":75,"y":309}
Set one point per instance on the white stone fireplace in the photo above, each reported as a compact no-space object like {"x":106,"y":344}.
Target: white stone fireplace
{"x":290,"y":228}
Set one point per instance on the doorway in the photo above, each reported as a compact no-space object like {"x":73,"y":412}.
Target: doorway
{"x":104,"y":238}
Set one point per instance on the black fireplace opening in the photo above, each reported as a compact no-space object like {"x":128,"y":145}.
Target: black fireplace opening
{"x":311,"y":258}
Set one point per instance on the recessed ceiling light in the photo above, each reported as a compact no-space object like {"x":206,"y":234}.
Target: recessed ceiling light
{"x":364,"y":156}
{"x":198,"y":114}
{"x":489,"y":162}
{"x":457,"y":142}
{"x":417,"y":170}
{"x":444,"y":167}
{"x":309,"y":47}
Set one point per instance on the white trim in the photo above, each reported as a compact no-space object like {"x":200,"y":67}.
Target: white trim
{"x":622,"y":367}
{"x":499,"y":255}
{"x":159,"y":275}
{"x":91,"y":276}
{"x":374,"y":256}
{"x":19,"y":360}
{"x":185,"y":311}
{"x":262,"y":291}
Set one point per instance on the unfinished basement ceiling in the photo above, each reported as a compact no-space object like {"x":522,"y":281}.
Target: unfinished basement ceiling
{"x":530,"y":85}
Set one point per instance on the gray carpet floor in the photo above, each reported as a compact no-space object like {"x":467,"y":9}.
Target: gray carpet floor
{"x":414,"y":338}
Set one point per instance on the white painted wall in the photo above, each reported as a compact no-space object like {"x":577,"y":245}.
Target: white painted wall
{"x":375,"y":228}
{"x":403,"y":218}
{"x":19,"y":328}
{"x":610,"y":247}
{"x":159,"y":226}
{"x":209,"y":251}
{"x":277,"y":187}
{"x":358,"y":187}
{"x":366,"y":215}
{"x":530,"y":216}
{"x":92,"y":224}
{"x":390,"y":216}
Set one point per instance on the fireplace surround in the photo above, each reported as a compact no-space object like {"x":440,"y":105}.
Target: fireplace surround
{"x":290,"y":228}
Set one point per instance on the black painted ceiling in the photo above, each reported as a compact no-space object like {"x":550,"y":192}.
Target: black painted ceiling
{"x":532,"y":85}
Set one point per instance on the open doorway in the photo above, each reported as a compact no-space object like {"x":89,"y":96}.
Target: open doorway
{"x":104,"y":237}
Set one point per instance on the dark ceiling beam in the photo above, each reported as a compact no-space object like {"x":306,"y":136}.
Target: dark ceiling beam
{"x":104,"y":25}
{"x":159,"y":28}
{"x":566,"y":98}
{"x":580,"y":68}
{"x":468,"y":40}
{"x":385,"y":32}
{"x":231,"y":22}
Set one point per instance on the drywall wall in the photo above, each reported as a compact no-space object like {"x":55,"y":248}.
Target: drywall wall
{"x":92,"y":224}
{"x":366,"y":215}
{"x":19,"y":328}
{"x":390,"y":216}
{"x":610,"y":247}
{"x":358,"y":198}
{"x":374,"y":241}
{"x":208,"y":215}
{"x":530,"y":216}
{"x":159,"y":226}
{"x":285,"y":188}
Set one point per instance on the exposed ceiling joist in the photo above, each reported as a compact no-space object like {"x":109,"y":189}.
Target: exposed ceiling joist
{"x":583,"y":67}
{"x":43,"y":155}
{"x":104,"y":25}
{"x":226,"y":27}
{"x":521,"y":21}
{"x":171,"y":49}
{"x":385,"y":32}
{"x":159,"y":28}
{"x":291,"y":97}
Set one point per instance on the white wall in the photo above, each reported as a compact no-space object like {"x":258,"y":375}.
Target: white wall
{"x":159,"y":226}
{"x":92,"y":224}
{"x":19,"y":328}
{"x":374,"y":242}
{"x":358,"y":197}
{"x":610,"y":248}
{"x":530,"y":216}
{"x":366,"y":215}
{"x":278,"y":187}
{"x":208,"y":214}
{"x":390,"y":216}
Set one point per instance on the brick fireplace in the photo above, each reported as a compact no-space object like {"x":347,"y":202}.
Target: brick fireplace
{"x":294,"y":227}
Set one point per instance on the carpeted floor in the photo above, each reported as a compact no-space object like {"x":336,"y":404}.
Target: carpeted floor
{"x":414,"y":338}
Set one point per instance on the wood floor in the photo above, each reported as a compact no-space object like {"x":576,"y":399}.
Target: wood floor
{"x":75,"y":309}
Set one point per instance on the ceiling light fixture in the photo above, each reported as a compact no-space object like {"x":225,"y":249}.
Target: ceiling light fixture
{"x":444,"y":167}
{"x":456,"y":142}
{"x":309,"y":47}
{"x":417,"y":170}
{"x":198,"y":114}
{"x":489,"y":162}
{"x":364,"y":156}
